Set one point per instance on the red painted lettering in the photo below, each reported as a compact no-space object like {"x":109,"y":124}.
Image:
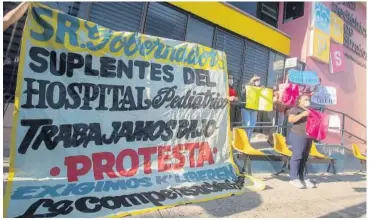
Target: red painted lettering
{"x":163,"y":156}
{"x":205,"y":154}
{"x":179,"y":156}
{"x":147,"y":152}
{"x":72,"y":166}
{"x":134,"y":162}
{"x":99,"y":168}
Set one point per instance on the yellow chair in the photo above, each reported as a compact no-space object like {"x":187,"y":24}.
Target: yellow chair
{"x":242,"y":144}
{"x":358,"y":155}
{"x":281,"y":147}
{"x":316,"y":154}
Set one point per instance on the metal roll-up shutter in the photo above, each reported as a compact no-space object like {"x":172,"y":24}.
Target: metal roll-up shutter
{"x":165,"y":21}
{"x":256,"y":62}
{"x":233,"y":46}
{"x":118,"y":16}
{"x":11,"y":50}
{"x":70,"y":8}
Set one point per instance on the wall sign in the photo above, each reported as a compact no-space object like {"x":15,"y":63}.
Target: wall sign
{"x":336,"y":28}
{"x":337,"y":61}
{"x":351,"y":23}
{"x":321,"y":17}
{"x":325,"y":95}
{"x":349,"y":18}
{"x":319,"y":45}
{"x":291,"y":62}
{"x":278,"y":65}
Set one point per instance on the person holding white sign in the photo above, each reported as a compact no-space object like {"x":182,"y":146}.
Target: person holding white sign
{"x":301,"y":143}
{"x":249,"y":116}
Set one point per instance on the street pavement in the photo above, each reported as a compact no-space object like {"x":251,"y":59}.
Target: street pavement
{"x":340,"y":196}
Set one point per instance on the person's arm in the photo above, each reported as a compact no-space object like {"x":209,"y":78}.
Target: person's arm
{"x":293,"y":118}
{"x":14,"y":15}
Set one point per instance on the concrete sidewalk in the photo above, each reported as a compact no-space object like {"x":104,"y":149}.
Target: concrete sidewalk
{"x":340,"y":196}
{"x":343,"y":195}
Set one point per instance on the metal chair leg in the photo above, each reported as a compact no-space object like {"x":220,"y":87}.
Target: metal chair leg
{"x":244,"y":166}
{"x":248,"y":166}
{"x":362,"y":166}
{"x":285,"y":165}
{"x":329,"y":167}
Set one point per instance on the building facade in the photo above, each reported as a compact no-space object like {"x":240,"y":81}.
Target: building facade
{"x":257,"y":37}
{"x":350,"y":81}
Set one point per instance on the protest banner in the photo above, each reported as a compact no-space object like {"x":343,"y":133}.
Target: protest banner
{"x":325,"y":95}
{"x":259,"y":98}
{"x":116,"y":123}
{"x":303,"y":77}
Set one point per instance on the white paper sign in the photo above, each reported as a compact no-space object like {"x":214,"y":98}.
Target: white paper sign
{"x":325,"y":95}
{"x":278,"y":65}
{"x":334,"y":124}
{"x":291,"y":62}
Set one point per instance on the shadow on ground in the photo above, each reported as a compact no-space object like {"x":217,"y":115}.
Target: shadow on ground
{"x":216,"y":208}
{"x":355,"y":211}
{"x":324,"y":178}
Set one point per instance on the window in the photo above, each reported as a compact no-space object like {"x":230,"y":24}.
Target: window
{"x":250,"y":8}
{"x":265,"y":11}
{"x":268,"y":12}
{"x":199,"y":32}
{"x":293,"y":10}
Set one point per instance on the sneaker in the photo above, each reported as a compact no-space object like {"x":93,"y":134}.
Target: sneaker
{"x":308,"y":183}
{"x":297,"y":183}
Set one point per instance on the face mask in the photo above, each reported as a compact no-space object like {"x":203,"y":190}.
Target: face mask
{"x":307,"y":103}
{"x":230,"y":82}
{"x":257,"y":83}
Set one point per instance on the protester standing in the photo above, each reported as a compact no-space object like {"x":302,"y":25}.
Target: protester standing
{"x":249,"y":116}
{"x":300,"y":142}
{"x":232,"y":98}
{"x":277,"y":115}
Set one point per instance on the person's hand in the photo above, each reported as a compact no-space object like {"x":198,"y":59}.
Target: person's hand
{"x":305,"y":113}
{"x":231,"y":98}
{"x":254,"y":78}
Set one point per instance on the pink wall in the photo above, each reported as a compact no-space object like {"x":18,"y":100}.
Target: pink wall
{"x":351,"y":84}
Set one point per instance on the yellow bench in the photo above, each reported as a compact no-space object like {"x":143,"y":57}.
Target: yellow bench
{"x":356,"y":152}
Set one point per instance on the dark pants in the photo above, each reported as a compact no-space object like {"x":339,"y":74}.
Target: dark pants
{"x":300,"y":153}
